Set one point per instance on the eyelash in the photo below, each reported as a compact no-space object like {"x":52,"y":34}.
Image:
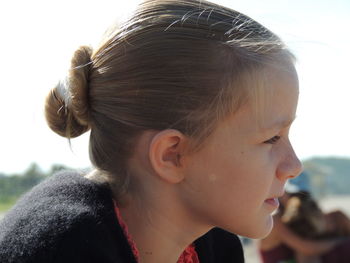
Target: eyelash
{"x":273,"y":140}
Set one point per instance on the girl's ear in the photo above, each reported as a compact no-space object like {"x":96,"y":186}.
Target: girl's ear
{"x":165,"y":152}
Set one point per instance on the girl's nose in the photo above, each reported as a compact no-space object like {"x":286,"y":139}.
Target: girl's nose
{"x":290,"y":167}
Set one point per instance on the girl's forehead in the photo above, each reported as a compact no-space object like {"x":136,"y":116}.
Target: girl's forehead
{"x":272,"y":103}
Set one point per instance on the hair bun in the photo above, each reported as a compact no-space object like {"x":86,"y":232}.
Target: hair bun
{"x":67,"y":105}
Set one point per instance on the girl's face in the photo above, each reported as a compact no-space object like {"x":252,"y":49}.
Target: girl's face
{"x":234,"y":180}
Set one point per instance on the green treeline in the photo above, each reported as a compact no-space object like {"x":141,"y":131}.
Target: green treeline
{"x":13,"y":186}
{"x":329,"y":176}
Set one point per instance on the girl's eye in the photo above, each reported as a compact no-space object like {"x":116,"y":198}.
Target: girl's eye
{"x":273,"y":140}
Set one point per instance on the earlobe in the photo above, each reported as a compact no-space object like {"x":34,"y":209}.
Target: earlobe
{"x":165,"y":153}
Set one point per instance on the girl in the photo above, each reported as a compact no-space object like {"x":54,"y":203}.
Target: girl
{"x":189,"y":105}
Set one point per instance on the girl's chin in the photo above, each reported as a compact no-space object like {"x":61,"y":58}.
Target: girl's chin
{"x":259,"y":230}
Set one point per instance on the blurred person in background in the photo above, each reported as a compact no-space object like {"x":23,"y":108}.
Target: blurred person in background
{"x":302,"y":233}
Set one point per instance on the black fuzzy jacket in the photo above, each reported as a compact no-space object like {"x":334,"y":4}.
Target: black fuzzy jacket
{"x":68,"y":218}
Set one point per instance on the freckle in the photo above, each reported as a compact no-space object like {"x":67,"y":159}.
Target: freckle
{"x":212,"y":177}
{"x":242,"y":152}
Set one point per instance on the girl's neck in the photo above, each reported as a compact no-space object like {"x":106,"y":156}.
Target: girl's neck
{"x":160,"y":235}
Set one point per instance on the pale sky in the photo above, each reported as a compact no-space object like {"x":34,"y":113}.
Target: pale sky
{"x":38,"y":38}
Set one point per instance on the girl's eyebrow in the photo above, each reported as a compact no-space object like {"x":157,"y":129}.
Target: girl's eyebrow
{"x":283,"y":123}
{"x":279,"y":124}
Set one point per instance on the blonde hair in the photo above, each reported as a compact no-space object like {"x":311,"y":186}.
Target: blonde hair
{"x":174,"y":64}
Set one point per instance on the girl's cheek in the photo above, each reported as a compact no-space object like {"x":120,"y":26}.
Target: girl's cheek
{"x":274,"y":157}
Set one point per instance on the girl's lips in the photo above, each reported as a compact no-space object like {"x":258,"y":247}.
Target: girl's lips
{"x":272,"y":202}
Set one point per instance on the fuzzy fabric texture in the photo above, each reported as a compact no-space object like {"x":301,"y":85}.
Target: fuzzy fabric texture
{"x":68,"y":218}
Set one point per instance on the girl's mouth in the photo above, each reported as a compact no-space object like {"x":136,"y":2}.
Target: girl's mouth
{"x":272,"y":202}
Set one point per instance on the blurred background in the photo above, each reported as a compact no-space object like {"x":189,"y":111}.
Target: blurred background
{"x":38,"y":38}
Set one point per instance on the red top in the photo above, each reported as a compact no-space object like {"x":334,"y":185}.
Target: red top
{"x":188,"y":256}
